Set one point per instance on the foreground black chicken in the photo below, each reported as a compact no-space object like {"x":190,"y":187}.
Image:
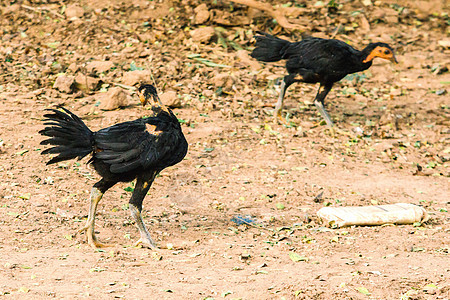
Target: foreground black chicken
{"x":138,"y":149}
{"x":315,"y":60}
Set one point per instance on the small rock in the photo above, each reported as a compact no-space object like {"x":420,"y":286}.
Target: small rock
{"x":378,"y":14}
{"x":359,"y":131}
{"x":73,"y":67}
{"x":11,"y":8}
{"x":227,"y":19}
{"x":391,"y":19}
{"x":134,"y":77}
{"x":170,"y":99}
{"x":396,"y":92}
{"x":99,"y":66}
{"x":64,"y":213}
{"x":113,"y":99}
{"x":64,"y":84}
{"x":74,"y":11}
{"x":223,"y":80}
{"x":247,"y":61}
{"x":438,"y":69}
{"x":444,"y":44}
{"x":365,"y":25}
{"x":207,"y":93}
{"x":441,"y":92}
{"x":86,"y":83}
{"x":201,"y":7}
{"x":319,"y":4}
{"x":203,"y":34}
{"x":201,"y":14}
{"x":128,"y":50}
{"x":146,"y":52}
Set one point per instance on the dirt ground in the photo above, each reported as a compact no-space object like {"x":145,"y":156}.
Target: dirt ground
{"x":392,"y":146}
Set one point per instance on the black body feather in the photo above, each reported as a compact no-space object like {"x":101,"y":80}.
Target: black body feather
{"x":320,"y":60}
{"x":120,"y":152}
{"x":138,"y":149}
{"x":70,"y":136}
{"x":315,"y":60}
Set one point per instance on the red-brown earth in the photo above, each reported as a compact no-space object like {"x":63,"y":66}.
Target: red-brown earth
{"x":392,"y":146}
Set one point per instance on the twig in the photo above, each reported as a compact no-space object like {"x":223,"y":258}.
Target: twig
{"x":256,"y":226}
{"x":13,"y":71}
{"x":127,"y":87}
{"x":336,"y":31}
{"x":10,"y":73}
{"x":281,"y":19}
{"x":153,"y":79}
{"x":37,"y":9}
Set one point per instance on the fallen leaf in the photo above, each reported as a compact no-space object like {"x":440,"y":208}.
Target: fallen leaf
{"x":408,"y":295}
{"x":417,"y":249}
{"x":363,"y":290}
{"x":97,"y":269}
{"x":25,"y":196}
{"x":429,"y":287}
{"x":280,"y":206}
{"x":22,"y":152}
{"x":206,"y":61}
{"x":25,"y":267}
{"x":53,"y":45}
{"x":296,"y":257}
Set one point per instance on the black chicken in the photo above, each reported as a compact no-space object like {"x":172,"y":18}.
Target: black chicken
{"x":315,"y":60}
{"x":138,"y":149}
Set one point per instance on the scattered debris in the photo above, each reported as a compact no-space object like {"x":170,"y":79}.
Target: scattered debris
{"x":247,"y":61}
{"x":318,"y":198}
{"x":239,"y":220}
{"x":223,"y":80}
{"x":64,"y":84}
{"x":98,"y":67}
{"x":201,"y":14}
{"x":74,"y":11}
{"x":170,"y":99}
{"x":202,"y":34}
{"x":115,"y":98}
{"x":400,"y":213}
{"x":276,"y":14}
{"x":86,"y":83}
{"x":295,"y":257}
{"x":136,"y":76}
{"x":237,"y":156}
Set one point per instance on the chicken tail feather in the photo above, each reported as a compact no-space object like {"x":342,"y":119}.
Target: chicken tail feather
{"x":68,"y":134}
{"x":269,"y":48}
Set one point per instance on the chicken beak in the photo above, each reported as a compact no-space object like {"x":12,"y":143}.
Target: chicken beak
{"x":143,"y":99}
{"x":394,"y":59}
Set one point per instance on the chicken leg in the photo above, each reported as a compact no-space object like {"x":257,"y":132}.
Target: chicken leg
{"x":318,"y":102}
{"x":96,"y":196}
{"x":140,"y":190}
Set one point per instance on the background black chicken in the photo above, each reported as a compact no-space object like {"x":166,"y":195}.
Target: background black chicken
{"x":138,"y":149}
{"x":313,"y":60}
